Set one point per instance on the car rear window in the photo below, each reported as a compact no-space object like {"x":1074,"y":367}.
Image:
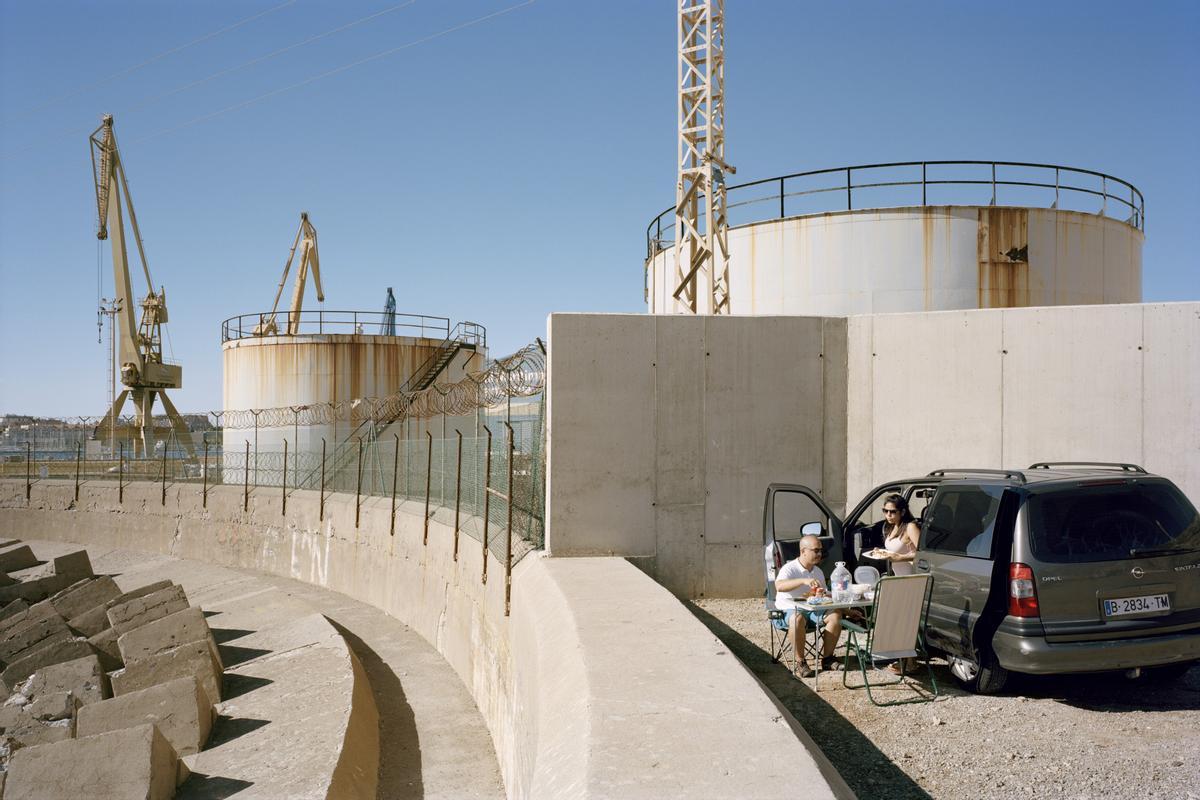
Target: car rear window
{"x":1111,"y":522}
{"x":961,"y":520}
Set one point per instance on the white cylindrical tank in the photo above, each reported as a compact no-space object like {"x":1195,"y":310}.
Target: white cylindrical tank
{"x":919,"y":236}
{"x":928,"y":258}
{"x":274,"y":372}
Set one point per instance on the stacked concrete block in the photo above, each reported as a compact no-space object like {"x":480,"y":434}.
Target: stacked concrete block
{"x":135,"y":763}
{"x":180,"y":709}
{"x":193,"y":658}
{"x":94,"y":620}
{"x":140,"y":611}
{"x":39,"y":582}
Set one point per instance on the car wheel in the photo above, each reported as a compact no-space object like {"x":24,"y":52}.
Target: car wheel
{"x":989,"y":678}
{"x":1168,"y":673}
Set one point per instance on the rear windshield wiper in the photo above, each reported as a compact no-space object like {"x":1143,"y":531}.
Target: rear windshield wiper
{"x":1138,"y":552}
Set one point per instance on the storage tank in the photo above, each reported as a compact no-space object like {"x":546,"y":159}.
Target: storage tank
{"x":335,"y":357}
{"x":921,"y":236}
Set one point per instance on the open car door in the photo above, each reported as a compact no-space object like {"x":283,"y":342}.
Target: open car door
{"x":792,"y":511}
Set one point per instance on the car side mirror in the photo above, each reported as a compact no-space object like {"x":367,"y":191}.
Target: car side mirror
{"x":812,"y":529}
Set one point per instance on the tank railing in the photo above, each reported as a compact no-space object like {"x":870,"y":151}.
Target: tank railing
{"x":318,"y":321}
{"x":1113,"y":192}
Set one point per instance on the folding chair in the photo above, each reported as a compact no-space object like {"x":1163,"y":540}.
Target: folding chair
{"x":777,"y":554}
{"x":895,"y":630}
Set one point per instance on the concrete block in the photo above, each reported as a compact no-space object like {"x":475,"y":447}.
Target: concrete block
{"x":192,"y":658}
{"x":91,"y":622}
{"x":105,"y":643}
{"x":180,"y":708}
{"x":165,"y":634}
{"x":14,"y":716}
{"x":141,"y":610}
{"x":14,"y":558}
{"x":44,"y":656}
{"x":13,"y":608}
{"x":20,"y":638}
{"x":34,"y":733}
{"x":53,"y":706}
{"x":85,"y":595}
{"x":42,"y":610}
{"x":82,"y":677}
{"x":74,"y":565}
{"x":35,"y":589}
{"x":130,"y":764}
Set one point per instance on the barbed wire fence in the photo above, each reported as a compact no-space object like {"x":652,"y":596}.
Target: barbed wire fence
{"x":487,"y":460}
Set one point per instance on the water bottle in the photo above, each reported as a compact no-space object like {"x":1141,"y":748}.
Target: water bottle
{"x":840,"y":583}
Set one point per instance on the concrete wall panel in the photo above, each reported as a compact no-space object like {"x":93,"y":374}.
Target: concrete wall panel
{"x":1072,"y":385}
{"x":1171,"y":390}
{"x":600,"y":444}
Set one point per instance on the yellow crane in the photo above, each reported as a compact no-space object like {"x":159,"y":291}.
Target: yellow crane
{"x":306,"y":240}
{"x":143,"y":370}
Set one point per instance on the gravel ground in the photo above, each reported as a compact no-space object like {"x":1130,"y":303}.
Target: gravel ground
{"x":1079,"y":736}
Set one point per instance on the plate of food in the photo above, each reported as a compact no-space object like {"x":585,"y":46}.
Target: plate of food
{"x":818,"y":600}
{"x":877,"y":552}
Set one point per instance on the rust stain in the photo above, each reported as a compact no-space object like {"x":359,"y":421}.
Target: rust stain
{"x":1002,"y":247}
{"x":927,"y":251}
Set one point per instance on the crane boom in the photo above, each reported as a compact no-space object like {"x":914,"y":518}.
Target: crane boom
{"x":140,"y":350}
{"x":306,"y":240}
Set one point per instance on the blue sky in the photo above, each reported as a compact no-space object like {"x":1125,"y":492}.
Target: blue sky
{"x":508,"y":169}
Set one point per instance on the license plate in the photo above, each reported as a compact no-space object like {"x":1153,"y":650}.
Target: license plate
{"x":1136,"y":605}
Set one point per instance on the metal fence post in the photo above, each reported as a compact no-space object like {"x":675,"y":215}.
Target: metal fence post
{"x":321,"y":514}
{"x":924,"y":186}
{"x":428,"y":476}
{"x":849,"y":201}
{"x":121,"y":475}
{"x":204,"y":471}
{"x":781,"y":214}
{"x":28,"y":470}
{"x":78,"y":447}
{"x":508,"y":546}
{"x":993,"y":183}
{"x":358,"y":483}
{"x":246,"y":479}
{"x":164,"y":474}
{"x":395,"y":471}
{"x":283,"y":483}
{"x":487,"y":499}
{"x":457,"y":491}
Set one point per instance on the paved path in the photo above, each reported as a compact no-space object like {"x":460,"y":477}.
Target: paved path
{"x":433,"y":740}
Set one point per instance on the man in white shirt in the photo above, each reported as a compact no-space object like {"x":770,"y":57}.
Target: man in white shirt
{"x":799,"y":579}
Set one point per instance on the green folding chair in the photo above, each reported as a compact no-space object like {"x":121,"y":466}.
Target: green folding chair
{"x":895,"y":629}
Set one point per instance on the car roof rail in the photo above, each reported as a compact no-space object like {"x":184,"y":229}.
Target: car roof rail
{"x":1011,"y":474}
{"x":1121,"y":467}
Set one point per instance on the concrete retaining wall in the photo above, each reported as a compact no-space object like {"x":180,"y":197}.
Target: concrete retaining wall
{"x":665,"y":431}
{"x":599,"y":684}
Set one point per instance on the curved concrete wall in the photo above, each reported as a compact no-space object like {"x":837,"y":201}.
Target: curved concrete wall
{"x":600,"y":683}
{"x":929,"y":258}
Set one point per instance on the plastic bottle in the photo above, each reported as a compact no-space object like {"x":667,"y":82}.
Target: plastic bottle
{"x":840,"y":583}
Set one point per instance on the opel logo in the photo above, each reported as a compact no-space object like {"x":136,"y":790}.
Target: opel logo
{"x":1137,"y":572}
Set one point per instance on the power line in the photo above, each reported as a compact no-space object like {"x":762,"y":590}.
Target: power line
{"x":270,"y":55}
{"x":335,"y":71}
{"x":129,"y":71}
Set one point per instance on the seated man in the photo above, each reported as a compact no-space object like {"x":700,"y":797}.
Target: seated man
{"x":798,"y":579}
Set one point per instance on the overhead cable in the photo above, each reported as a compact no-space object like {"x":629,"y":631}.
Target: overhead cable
{"x":335,"y":71}
{"x":268,"y":56}
{"x":130,"y":70}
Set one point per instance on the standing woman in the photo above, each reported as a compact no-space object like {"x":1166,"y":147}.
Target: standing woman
{"x":900,"y":534}
{"x":900,"y":538}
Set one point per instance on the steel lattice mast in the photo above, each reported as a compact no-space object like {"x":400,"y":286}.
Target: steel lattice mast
{"x":701,"y":224}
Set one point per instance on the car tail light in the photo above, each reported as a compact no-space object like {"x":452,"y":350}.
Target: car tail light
{"x":1022,"y":593}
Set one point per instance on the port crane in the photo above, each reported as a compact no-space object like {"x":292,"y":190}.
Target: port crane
{"x":143,"y":372}
{"x":306,"y":240}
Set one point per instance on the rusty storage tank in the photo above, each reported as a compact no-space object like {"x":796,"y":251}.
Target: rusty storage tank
{"x":921,"y":236}
{"x":335,"y":357}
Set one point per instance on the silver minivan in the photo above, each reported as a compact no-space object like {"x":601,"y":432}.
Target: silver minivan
{"x":1061,"y":569}
{"x":1058,"y":568}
